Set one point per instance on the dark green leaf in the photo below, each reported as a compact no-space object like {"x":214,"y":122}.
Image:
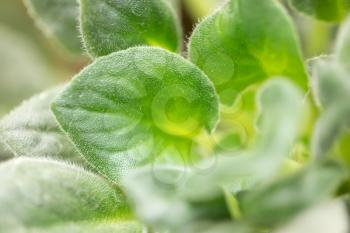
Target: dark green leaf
{"x":109,"y":26}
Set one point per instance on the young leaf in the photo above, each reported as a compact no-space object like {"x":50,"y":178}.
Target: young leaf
{"x":57,"y":19}
{"x":109,"y":26}
{"x":128,"y":108}
{"x":278,"y":202}
{"x":246,"y":42}
{"x":153,"y":192}
{"x":281,"y":107}
{"x":332,"y":89}
{"x":331,"y":82}
{"x":43,"y":194}
{"x":31,"y":130}
{"x":342,"y":47}
{"x":171,"y":197}
{"x":327,"y":10}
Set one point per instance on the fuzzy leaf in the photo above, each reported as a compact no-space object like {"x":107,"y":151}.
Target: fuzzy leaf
{"x":31,"y":130}
{"x":57,"y":19}
{"x":342,"y":48}
{"x":237,"y":48}
{"x":331,"y":82}
{"x":109,"y":26}
{"x":153,"y":192}
{"x":40,"y":195}
{"x":327,"y":10}
{"x":177,"y":198}
{"x":278,"y":202}
{"x":281,"y":106}
{"x":130,"y":107}
{"x":332,"y":89}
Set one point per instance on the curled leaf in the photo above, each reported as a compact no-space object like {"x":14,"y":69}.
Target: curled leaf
{"x":276,"y":203}
{"x":281,"y":106}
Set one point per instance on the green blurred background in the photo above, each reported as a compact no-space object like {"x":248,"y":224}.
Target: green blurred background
{"x":30,"y":62}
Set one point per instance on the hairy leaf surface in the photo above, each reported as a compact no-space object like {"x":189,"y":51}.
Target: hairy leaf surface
{"x":132,"y":106}
{"x":40,"y":195}
{"x":31,"y":130}
{"x":58,"y":19}
{"x":109,"y":26}
{"x":332,"y":89}
{"x":278,"y":202}
{"x":176,"y":197}
{"x":245,"y":42}
{"x":281,"y":106}
{"x":342,"y":46}
{"x":328,"y":10}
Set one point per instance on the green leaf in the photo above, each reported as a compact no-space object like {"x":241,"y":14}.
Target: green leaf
{"x":281,"y":106}
{"x":40,"y":195}
{"x":331,"y":82}
{"x":154,"y":193}
{"x":342,"y":47}
{"x":237,"y":48}
{"x":331,"y":85}
{"x":130,"y":107}
{"x":109,"y":26}
{"x":31,"y":130}
{"x":328,"y":128}
{"x":177,"y":198}
{"x":327,"y":10}
{"x":276,"y":203}
{"x":57,"y":19}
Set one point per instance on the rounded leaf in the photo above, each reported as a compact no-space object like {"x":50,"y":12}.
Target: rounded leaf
{"x":130,"y":107}
{"x":109,"y":26}
{"x":245,"y":42}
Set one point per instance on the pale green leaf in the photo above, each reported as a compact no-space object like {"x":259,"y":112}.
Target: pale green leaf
{"x":154,"y":193}
{"x":31,"y":130}
{"x":245,"y":42}
{"x":331,"y":85}
{"x":57,"y":19}
{"x":328,"y":128}
{"x":327,"y":10}
{"x":281,"y":106}
{"x":177,"y":198}
{"x":331,"y":82}
{"x":130,"y":107}
{"x":39,"y":195}
{"x":109,"y":26}
{"x":276,"y":203}
{"x":342,"y":47}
